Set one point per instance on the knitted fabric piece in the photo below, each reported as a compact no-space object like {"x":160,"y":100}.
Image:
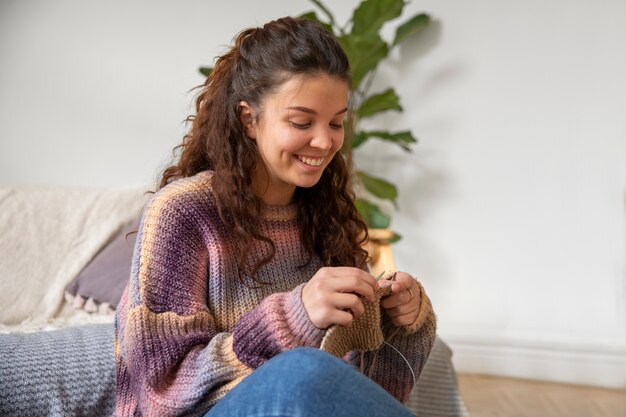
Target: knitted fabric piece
{"x":67,"y":372}
{"x":365,"y":333}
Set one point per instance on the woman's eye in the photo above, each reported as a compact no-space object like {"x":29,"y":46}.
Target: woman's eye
{"x":300,"y":125}
{"x":336,"y":125}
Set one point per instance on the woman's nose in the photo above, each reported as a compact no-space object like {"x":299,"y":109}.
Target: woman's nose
{"x":323,"y":139}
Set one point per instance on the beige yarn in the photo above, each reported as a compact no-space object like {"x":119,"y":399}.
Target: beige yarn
{"x":364,"y":334}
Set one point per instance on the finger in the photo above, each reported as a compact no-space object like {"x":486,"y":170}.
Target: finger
{"x":342,"y":318}
{"x":396,"y":299}
{"x":348,"y":302}
{"x":405,"y":309}
{"x":396,"y":287}
{"x":352,"y":284}
{"x":405,"y":319}
{"x":349,"y":270}
{"x":342,"y":279}
{"x":366,"y":291}
{"x":403,"y":281}
{"x":342,"y":271}
{"x":405,"y":288}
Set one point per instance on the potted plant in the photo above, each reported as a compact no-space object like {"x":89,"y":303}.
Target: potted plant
{"x":360,"y":38}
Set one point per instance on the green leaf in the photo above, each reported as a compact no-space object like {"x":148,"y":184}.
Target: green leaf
{"x":312,"y":16}
{"x":206,"y":71}
{"x":395,"y":238}
{"x":364,"y":54}
{"x":324,"y":9}
{"x":373,"y":216}
{"x":378,"y":187}
{"x":358,"y":139}
{"x":402,"y":139}
{"x":376,"y":103}
{"x":370,"y":16}
{"x":415,"y":24}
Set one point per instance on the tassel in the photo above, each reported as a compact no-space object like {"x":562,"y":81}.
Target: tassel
{"x":91,"y":306}
{"x":78,"y":301}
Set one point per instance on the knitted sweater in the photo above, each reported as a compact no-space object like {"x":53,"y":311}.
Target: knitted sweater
{"x":188,"y":330}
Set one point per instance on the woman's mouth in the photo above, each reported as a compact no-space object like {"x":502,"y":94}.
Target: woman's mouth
{"x":314,"y":162}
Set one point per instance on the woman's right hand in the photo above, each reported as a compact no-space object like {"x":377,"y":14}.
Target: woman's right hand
{"x":332,"y":295}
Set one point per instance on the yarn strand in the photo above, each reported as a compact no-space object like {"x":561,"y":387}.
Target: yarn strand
{"x":405,"y":360}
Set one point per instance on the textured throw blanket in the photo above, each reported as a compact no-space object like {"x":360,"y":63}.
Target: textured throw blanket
{"x":48,"y":235}
{"x":68,"y":372}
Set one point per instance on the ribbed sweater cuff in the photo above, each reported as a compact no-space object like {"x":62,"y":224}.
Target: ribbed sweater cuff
{"x":426,"y":312}
{"x":295,"y":313}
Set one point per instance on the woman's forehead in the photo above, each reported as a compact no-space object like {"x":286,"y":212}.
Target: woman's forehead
{"x":306,"y":91}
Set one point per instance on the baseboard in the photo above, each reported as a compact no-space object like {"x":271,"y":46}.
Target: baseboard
{"x":584,"y":367}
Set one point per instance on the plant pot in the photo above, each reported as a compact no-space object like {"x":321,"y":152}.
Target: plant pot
{"x":379,"y":249}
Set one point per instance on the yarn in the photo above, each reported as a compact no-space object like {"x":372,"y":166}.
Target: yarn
{"x":365,"y":333}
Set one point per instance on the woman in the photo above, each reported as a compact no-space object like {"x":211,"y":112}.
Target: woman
{"x":252,"y":249}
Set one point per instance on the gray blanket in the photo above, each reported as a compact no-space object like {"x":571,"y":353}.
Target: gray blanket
{"x":71,"y":372}
{"x":66,"y":372}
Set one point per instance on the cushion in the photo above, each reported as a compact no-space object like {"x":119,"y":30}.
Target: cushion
{"x":100,"y":285}
{"x":69,"y":372}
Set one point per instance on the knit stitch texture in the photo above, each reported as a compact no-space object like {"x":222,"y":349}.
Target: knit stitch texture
{"x":365,"y":333}
{"x":188,"y":330}
{"x":58,"y":373}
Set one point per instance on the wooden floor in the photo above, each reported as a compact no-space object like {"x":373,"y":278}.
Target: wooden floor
{"x":488,"y":396}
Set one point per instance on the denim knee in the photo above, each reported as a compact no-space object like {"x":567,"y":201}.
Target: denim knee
{"x":308,"y":369}
{"x":308,"y":355}
{"x":306,"y":382}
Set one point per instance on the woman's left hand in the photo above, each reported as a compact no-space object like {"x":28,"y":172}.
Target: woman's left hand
{"x":403,"y":304}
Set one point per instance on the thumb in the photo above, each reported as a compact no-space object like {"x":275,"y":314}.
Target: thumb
{"x":397,"y":287}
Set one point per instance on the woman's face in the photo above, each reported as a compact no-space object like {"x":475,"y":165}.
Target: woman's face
{"x":298,"y":133}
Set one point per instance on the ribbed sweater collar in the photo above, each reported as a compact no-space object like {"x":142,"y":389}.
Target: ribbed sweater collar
{"x":278,"y":213}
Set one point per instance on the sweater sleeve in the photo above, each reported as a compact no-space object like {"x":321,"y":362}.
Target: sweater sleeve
{"x":397,"y":364}
{"x":170,"y":357}
{"x":279,"y":323}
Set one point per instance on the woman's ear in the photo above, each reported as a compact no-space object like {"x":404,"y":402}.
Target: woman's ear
{"x":248,"y":119}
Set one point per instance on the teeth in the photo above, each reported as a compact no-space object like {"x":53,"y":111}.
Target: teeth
{"x":312,"y":161}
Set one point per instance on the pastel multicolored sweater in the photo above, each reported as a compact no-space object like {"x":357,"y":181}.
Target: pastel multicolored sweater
{"x":188,"y":330}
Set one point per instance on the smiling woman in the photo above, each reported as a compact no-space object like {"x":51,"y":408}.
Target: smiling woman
{"x":252,"y":249}
{"x":297,"y":133}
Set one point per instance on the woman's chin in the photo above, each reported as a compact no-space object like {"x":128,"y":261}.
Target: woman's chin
{"x":309,"y":181}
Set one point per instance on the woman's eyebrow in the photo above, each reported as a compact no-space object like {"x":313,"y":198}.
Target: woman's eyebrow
{"x":311,"y":111}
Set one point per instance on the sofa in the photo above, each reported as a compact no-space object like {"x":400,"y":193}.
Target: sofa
{"x":64,"y":261}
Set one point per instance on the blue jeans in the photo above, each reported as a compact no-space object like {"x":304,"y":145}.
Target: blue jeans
{"x":307,"y":382}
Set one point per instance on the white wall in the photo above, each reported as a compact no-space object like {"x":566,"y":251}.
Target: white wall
{"x":96,"y":92}
{"x":513,"y":205}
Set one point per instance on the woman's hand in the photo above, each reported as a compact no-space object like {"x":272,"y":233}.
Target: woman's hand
{"x":403,"y":304}
{"x":332,"y":295}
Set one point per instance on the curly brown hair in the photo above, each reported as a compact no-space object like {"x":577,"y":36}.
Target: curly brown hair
{"x":260,"y":60}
